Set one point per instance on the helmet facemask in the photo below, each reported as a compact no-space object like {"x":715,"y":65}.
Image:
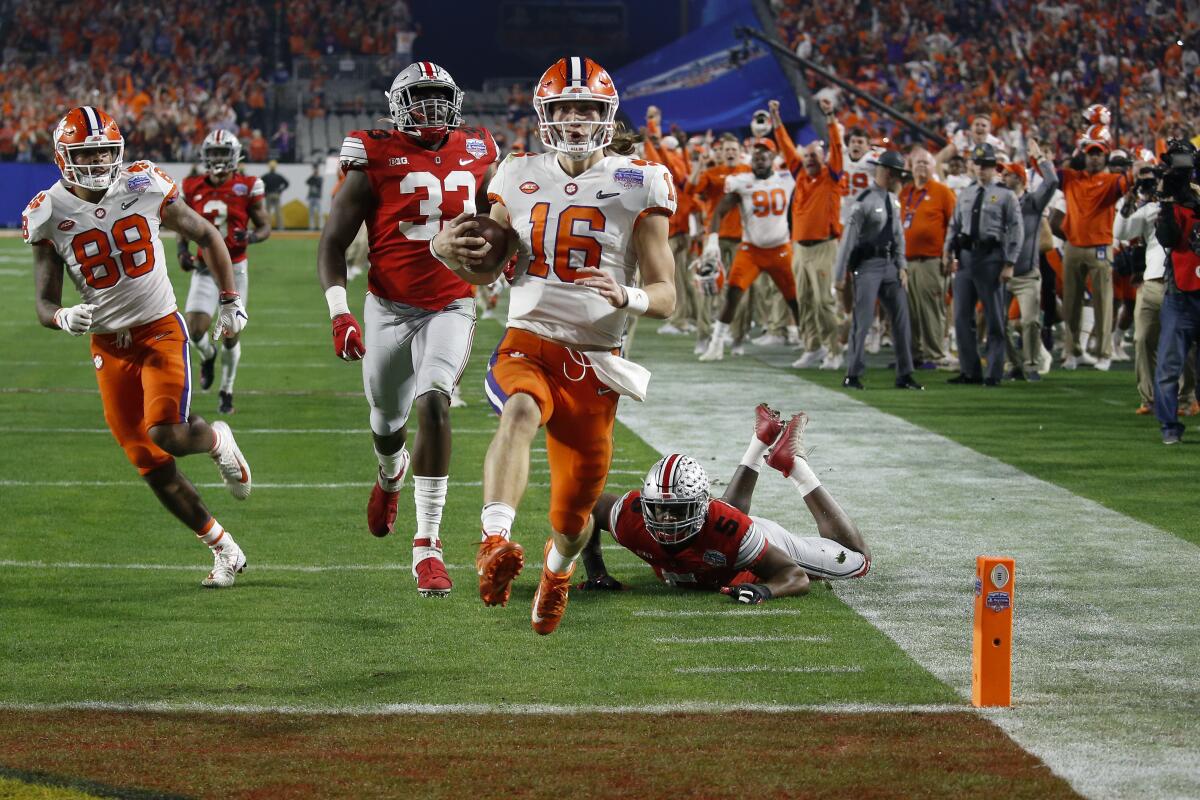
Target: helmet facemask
{"x":675,"y":499}
{"x":427,"y":110}
{"x":220,"y":160}
{"x":95,"y":176}
{"x":576,"y":138}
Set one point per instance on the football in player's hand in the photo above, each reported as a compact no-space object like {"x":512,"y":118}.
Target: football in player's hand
{"x":498,"y":236}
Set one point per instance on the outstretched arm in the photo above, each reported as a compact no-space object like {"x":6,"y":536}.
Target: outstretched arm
{"x":593,"y":561}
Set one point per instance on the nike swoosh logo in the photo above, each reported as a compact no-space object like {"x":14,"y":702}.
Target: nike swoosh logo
{"x":462,"y":162}
{"x":161,"y":335}
{"x":606,"y":195}
{"x":536,"y":599}
{"x":125,"y":206}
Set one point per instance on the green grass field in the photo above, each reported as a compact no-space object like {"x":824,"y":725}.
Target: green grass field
{"x":102,"y":604}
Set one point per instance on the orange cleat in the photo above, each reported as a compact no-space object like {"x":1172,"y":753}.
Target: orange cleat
{"x":1142,"y":410}
{"x":1191,"y":411}
{"x":550,"y":600}
{"x":498,"y":563}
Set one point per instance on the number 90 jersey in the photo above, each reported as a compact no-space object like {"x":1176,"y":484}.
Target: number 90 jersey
{"x":416,"y":190}
{"x":111,"y":248}
{"x":728,"y":543}
{"x":765,"y":203}
{"x":565,"y":223}
{"x":226,"y":206}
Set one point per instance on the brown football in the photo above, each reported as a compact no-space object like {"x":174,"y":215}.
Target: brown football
{"x":498,"y":236}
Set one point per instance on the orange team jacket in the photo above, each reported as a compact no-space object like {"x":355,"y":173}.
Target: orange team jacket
{"x":677,"y":164}
{"x":817,"y":200}
{"x":710,"y":188}
{"x":1091,"y":205}
{"x":925,"y":214}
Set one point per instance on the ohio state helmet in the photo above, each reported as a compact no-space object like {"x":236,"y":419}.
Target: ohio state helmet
{"x":574,"y":79}
{"x":425,"y":102}
{"x":675,"y":499}
{"x":1097,"y":114}
{"x":88,"y":128}
{"x":221,"y":151}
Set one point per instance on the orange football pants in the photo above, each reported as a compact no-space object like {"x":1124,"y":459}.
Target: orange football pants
{"x":749,"y":261}
{"x":146,"y":383}
{"x":577,"y":410}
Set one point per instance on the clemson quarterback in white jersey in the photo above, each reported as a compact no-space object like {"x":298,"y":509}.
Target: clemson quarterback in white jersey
{"x":587,"y":217}
{"x":100,"y":225}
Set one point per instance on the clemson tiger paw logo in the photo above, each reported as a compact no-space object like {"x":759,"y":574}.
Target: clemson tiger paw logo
{"x":98,"y":361}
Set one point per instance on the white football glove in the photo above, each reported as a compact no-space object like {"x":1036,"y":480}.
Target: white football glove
{"x":231,"y":319}
{"x":712,"y":247}
{"x":707,"y":272}
{"x":75,"y":320}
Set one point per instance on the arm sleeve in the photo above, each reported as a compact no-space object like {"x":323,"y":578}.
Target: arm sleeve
{"x":1045,"y":192}
{"x":751,"y":548}
{"x":34,"y":218}
{"x":258,"y":189}
{"x":660,"y":193}
{"x":354,"y":152}
{"x":1014,"y":236}
{"x":614,"y":514}
{"x":848,"y":243}
{"x":836,"y":160}
{"x":787,"y":149}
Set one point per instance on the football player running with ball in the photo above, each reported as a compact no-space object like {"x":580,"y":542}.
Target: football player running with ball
{"x":586,"y":221}
{"x":228,"y":200}
{"x":100,"y":224}
{"x":695,"y":542}
{"x":420,"y":318}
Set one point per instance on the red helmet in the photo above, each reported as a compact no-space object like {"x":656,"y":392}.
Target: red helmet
{"x":576,"y":79}
{"x":1097,"y":115}
{"x":82,"y":129}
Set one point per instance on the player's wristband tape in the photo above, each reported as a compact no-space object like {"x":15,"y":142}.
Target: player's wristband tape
{"x":335,"y":297}
{"x":636,"y":300}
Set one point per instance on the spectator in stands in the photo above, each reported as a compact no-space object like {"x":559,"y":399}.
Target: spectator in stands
{"x":926,"y":206}
{"x":284,"y":143}
{"x":315,"y":185}
{"x":258,"y":148}
{"x":274,"y":185}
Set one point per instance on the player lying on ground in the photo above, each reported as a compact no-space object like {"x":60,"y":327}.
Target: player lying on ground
{"x":100,"y":224}
{"x":695,"y":542}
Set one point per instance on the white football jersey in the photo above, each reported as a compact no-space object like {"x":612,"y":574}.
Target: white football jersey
{"x":765,"y":203}
{"x":111,"y":248}
{"x":565,"y":223}
{"x":857,"y":176}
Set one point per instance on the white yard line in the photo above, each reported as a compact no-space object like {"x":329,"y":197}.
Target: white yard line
{"x":253,"y":566}
{"x":757,"y":668}
{"x":1106,"y":674}
{"x":736,"y":639}
{"x":364,"y":485}
{"x":749,"y":612}
{"x":523,"y":709}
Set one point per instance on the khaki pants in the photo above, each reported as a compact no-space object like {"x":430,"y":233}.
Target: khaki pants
{"x":1145,"y":345}
{"x":1080,"y":264}
{"x":685,"y":290}
{"x":275,"y":211}
{"x":813,"y":266}
{"x":1027,"y":289}
{"x":927,"y":308}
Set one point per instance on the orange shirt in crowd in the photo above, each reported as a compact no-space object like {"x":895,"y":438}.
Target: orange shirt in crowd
{"x":711,"y":188}
{"x":1091,"y":205}
{"x":678,"y":166}
{"x":926,"y":214}
{"x":817,"y":200}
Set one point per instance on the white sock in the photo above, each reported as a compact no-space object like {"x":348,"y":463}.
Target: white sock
{"x":230,"y":356}
{"x":430,"y":496}
{"x":803,"y":476}
{"x":214,"y":536}
{"x":557,"y":563}
{"x":497,"y":519}
{"x":392,"y":469}
{"x":204,"y":345}
{"x":754,"y":454}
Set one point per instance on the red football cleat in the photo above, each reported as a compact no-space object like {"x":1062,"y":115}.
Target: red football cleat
{"x":767,"y":424}
{"x":550,"y":600}
{"x":790,"y":445}
{"x":432,"y":578}
{"x":498,"y":563}
{"x":381,"y":510}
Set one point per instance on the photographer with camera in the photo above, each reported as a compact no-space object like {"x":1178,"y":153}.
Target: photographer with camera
{"x":1144,"y":260}
{"x":986,"y":232}
{"x":1178,"y":231}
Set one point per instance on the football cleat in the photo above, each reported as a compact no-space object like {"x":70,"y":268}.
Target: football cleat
{"x":228,"y":562}
{"x":812,"y":358}
{"x":498,"y":563}
{"x":381,"y":510}
{"x":550,"y":600}
{"x":207,"y":371}
{"x":767,"y":424}
{"x":790,"y":445}
{"x":230,"y":462}
{"x":430,"y":572}
{"x":225,"y":406}
{"x":715,"y":350}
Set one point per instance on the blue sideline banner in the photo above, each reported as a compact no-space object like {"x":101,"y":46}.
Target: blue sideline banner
{"x":21,"y":182}
{"x":699,"y":86}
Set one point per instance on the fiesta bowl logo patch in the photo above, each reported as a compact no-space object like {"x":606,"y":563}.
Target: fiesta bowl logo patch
{"x":628,"y":178}
{"x":529,"y":187}
{"x":476,"y":147}
{"x":240,"y":189}
{"x":714,"y":558}
{"x":997,"y":601}
{"x":138,"y":183}
{"x":66,"y":225}
{"x":98,"y":361}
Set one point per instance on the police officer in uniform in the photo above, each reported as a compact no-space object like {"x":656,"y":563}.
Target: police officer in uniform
{"x":985,"y":241}
{"x":872,"y":251}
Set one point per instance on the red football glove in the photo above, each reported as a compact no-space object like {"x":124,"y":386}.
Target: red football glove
{"x":347,"y":338}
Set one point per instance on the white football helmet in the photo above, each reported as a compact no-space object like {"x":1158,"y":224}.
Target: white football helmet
{"x":1097,"y":114}
{"x":675,"y":499}
{"x":760,"y":124}
{"x":425,"y":102}
{"x":221,"y":151}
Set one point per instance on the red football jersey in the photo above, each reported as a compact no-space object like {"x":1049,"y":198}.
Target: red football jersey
{"x":727,"y":544}
{"x":416,"y":190}
{"x":226,"y":206}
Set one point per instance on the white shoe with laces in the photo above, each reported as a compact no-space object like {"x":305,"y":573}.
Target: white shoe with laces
{"x":1104,"y":364}
{"x":667,"y":329}
{"x":230,"y":462}
{"x":833,"y":362}
{"x":228,"y":561}
{"x":812,"y":358}
{"x":715,"y":350}
{"x":1087,"y":359}
{"x":768,"y":340}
